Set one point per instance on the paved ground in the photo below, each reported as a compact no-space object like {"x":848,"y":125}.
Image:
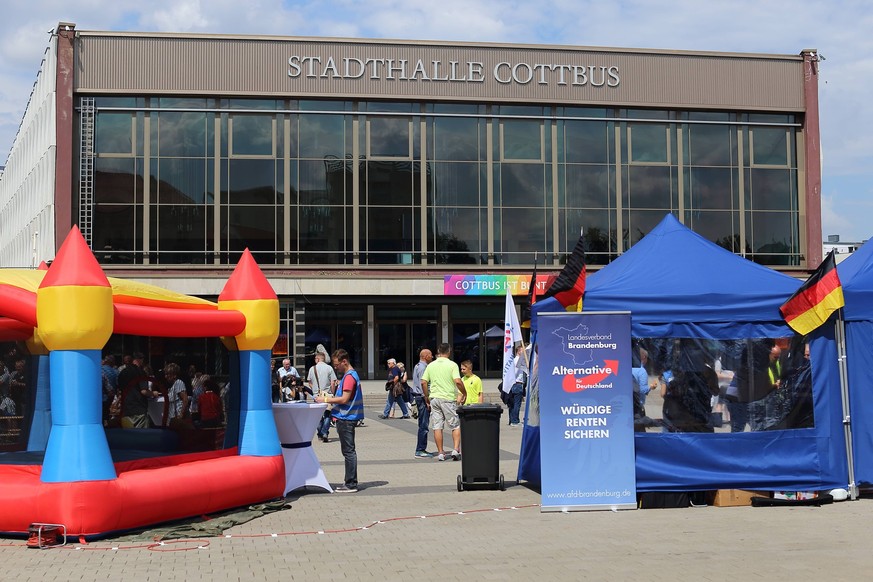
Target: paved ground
{"x":380,"y":534}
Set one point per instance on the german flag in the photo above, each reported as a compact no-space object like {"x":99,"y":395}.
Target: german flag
{"x":569,"y":286}
{"x":531,"y":298}
{"x":813,"y":303}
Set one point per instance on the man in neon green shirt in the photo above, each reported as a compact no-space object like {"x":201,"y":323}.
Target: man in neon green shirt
{"x":472,"y":383}
{"x":439,"y":382}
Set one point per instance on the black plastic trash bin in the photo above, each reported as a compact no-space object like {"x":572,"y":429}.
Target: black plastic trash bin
{"x":480,"y":447}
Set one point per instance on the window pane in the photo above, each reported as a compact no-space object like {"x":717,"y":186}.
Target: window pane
{"x":769,"y":146}
{"x":712,"y":188}
{"x":252,"y":135}
{"x":711,"y":145}
{"x":325,"y":182}
{"x":181,"y":181}
{"x":455,"y":184}
{"x":521,"y":139}
{"x":182,"y":134}
{"x":649,"y":187}
{"x":722,"y":228}
{"x":588,"y":142}
{"x":113,"y":134}
{"x":182,"y":234}
{"x":389,"y":137}
{"x":772,"y":189}
{"x":525,"y":235}
{"x":324,"y":233}
{"x":455,"y":139}
{"x":116,"y":233}
{"x":253,"y":182}
{"x":599,"y":234}
{"x":455,"y":236}
{"x":392,"y":183}
{"x":638,"y":223}
{"x":115,"y":180}
{"x":589,"y":187}
{"x":253,"y":227}
{"x":648,"y":142}
{"x":522,"y":185}
{"x":322,"y":136}
{"x":389,"y":237}
{"x":773,"y":232}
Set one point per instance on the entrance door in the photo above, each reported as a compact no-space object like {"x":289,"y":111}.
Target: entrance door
{"x":403,"y":342}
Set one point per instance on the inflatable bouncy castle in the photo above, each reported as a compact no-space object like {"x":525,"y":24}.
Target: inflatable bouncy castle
{"x":71,"y":470}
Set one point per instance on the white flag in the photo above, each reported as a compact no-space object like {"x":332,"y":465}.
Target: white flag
{"x":511,"y":335}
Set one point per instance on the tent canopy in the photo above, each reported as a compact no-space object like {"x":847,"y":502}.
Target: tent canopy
{"x":675,"y":275}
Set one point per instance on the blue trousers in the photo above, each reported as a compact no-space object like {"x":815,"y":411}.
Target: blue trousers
{"x":324,"y":425}
{"x":516,"y":395}
{"x":423,"y":421}
{"x":390,"y":404}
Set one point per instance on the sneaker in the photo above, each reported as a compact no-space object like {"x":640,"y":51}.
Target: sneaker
{"x":360,"y":423}
{"x":324,"y":439}
{"x":423,"y":455}
{"x":382,"y":416}
{"x":441,"y":457}
{"x":455,"y":455}
{"x":407,"y":416}
{"x":345,"y":489}
{"x":414,"y":413}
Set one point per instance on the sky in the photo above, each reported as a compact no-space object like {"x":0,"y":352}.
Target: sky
{"x":841,"y":30}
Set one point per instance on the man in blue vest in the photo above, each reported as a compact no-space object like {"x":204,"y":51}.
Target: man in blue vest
{"x":348,"y":410}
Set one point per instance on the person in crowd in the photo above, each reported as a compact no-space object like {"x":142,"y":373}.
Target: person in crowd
{"x":394,"y":387}
{"x":177,"y":396}
{"x":443,"y":391}
{"x":126,"y":360}
{"x":472,"y":384}
{"x":198,"y":380}
{"x":517,"y":391}
{"x":322,"y":381}
{"x":286,"y":375}
{"x":348,"y":409}
{"x":136,"y":390}
{"x":425,"y":357}
{"x":211,"y":411}
{"x":688,"y":396}
{"x":109,"y":374}
{"x":754,"y":382}
{"x":404,"y":385}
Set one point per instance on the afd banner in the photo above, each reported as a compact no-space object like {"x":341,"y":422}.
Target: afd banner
{"x":586,"y":411}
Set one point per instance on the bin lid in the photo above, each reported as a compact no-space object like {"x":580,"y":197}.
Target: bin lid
{"x":480,"y":407}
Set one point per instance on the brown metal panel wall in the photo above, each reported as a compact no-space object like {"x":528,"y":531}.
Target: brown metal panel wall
{"x":155,"y":64}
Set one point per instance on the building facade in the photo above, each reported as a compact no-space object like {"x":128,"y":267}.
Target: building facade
{"x":391,"y":190}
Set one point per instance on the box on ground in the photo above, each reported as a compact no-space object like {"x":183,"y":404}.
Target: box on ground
{"x":735,"y":497}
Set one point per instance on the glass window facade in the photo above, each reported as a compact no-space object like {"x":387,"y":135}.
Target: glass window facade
{"x":406,"y":183}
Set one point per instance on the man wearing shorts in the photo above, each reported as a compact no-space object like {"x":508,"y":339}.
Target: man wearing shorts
{"x":443,"y":392}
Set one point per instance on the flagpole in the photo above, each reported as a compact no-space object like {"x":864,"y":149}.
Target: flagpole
{"x":844,"y":393}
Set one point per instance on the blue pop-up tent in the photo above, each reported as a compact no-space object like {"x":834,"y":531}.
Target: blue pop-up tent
{"x":856,"y":275}
{"x":676,"y":284}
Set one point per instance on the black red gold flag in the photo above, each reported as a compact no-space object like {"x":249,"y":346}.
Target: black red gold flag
{"x":531,"y":298}
{"x":569,"y":287}
{"x":816,"y":300}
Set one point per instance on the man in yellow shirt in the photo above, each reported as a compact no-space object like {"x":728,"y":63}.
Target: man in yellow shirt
{"x":472,"y":383}
{"x":443,"y":391}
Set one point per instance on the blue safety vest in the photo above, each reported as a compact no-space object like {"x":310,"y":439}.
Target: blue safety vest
{"x":354,"y":408}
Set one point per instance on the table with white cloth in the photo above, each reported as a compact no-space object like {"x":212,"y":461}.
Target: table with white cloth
{"x":296,"y":423}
